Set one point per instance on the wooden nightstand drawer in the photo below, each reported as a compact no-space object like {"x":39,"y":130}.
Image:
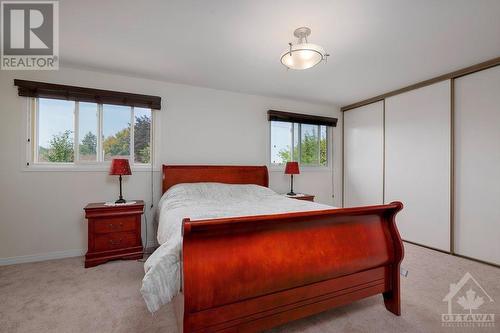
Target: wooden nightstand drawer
{"x":116,"y":240}
{"x":107,"y":225}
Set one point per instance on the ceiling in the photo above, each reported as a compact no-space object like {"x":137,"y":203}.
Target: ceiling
{"x":375,"y":46}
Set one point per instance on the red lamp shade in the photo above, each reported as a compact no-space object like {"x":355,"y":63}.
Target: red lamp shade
{"x":120,"y":167}
{"x":292,"y":168}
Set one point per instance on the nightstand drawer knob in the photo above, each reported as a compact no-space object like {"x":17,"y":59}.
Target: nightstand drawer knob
{"x":115,"y":242}
{"x":111,"y":225}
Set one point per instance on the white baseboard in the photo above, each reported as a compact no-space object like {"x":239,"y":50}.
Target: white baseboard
{"x":42,"y":257}
{"x":151,"y":246}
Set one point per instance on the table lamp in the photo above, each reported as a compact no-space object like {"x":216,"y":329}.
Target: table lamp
{"x":292,"y":168}
{"x":120,"y":167}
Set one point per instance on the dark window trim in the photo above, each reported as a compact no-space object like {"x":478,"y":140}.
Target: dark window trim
{"x":290,"y":117}
{"x":82,"y":94}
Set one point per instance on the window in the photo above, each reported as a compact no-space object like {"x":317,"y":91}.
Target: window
{"x":116,"y":131}
{"x":142,"y":135}
{"x":55,"y":131}
{"x":88,"y":130}
{"x":306,"y":144}
{"x":69,"y":132}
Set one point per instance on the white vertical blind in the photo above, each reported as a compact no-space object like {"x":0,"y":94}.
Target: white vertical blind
{"x":417,"y":162}
{"x":363,"y":155}
{"x":477,"y":165}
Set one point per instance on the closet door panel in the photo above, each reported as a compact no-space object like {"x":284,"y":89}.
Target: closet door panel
{"x":477,"y":165}
{"x":417,"y":163}
{"x":363,"y":155}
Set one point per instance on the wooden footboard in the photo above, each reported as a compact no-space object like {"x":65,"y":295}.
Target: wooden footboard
{"x":251,"y":273}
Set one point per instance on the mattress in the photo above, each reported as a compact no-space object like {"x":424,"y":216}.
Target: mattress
{"x":198,"y":201}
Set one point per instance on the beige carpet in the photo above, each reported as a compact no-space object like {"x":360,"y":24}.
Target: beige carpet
{"x":62,"y":296}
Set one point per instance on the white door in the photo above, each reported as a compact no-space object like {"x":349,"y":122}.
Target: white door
{"x":363,"y":155}
{"x":477,"y":165}
{"x":417,"y":163}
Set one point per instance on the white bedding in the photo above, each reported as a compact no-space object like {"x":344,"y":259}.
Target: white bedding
{"x":203,"y":201}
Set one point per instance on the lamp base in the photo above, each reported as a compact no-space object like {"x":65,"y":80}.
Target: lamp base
{"x":119,"y":201}
{"x":291,"y":193}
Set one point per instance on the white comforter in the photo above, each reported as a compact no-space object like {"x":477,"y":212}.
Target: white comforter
{"x":203,"y":201}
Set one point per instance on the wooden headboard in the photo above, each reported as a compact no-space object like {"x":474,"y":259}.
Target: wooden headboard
{"x":176,"y":174}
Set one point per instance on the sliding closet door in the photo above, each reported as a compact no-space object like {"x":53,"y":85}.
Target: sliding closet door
{"x":417,"y":163}
{"x":363,"y":155}
{"x":477,"y":165}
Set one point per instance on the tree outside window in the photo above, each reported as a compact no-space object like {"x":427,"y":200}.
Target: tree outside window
{"x":56,"y":135}
{"x":310,"y":147}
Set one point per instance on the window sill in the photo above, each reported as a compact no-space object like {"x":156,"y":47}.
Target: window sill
{"x":82,"y":168}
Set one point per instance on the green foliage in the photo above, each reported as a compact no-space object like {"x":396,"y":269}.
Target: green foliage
{"x":42,"y":154}
{"x":323,"y":153}
{"x":309,"y":151}
{"x":143,"y":155}
{"x":61,"y":145}
{"x":142,"y":130}
{"x":88,"y":147}
{"x":60,"y":148}
{"x":118,"y":144}
{"x":286,"y":156}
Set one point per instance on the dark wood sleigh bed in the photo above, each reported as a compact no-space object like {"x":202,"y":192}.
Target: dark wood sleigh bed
{"x":251,"y":273}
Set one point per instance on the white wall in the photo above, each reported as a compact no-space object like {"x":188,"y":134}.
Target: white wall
{"x":41,"y":212}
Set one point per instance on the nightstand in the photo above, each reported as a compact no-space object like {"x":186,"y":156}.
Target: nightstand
{"x":114,"y":232}
{"x":301,"y":196}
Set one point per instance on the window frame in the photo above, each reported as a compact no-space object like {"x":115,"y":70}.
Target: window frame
{"x":100,"y":164}
{"x":304,"y":167}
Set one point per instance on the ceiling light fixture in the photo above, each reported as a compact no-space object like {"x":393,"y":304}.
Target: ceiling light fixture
{"x":303,"y":55}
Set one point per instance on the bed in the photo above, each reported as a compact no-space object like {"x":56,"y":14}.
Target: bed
{"x":247,"y":269}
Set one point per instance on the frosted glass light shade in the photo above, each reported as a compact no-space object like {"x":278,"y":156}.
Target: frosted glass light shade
{"x":303,"y":56}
